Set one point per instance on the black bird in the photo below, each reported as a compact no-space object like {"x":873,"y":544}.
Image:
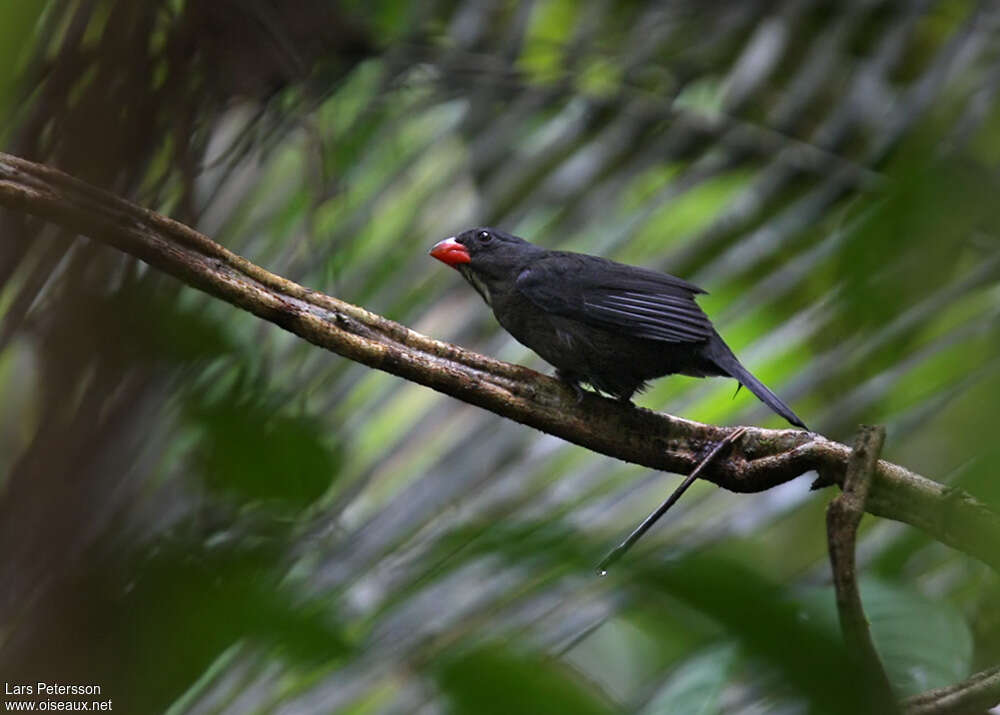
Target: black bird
{"x":604,"y":323}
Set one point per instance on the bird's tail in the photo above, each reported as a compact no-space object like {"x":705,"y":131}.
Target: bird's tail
{"x":722,"y":356}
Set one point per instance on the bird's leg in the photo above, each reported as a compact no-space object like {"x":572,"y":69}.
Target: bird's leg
{"x":571,"y":380}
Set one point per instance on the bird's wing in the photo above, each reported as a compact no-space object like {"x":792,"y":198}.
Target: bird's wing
{"x":616,"y":297}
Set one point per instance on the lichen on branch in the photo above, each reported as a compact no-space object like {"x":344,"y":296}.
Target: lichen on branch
{"x":763,"y":458}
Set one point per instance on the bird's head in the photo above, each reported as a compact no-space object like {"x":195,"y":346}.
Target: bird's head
{"x":486,"y":252}
{"x":486,"y":258}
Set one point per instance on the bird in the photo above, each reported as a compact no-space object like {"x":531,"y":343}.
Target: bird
{"x":610,"y":325}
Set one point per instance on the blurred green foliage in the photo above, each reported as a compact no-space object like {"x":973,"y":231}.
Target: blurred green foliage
{"x":250,"y":451}
{"x":203,"y":514}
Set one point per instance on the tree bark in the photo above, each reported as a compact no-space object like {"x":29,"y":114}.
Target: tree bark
{"x":762,"y":459}
{"x":843,"y":516}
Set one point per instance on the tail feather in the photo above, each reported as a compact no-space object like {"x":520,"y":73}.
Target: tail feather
{"x":722,"y":356}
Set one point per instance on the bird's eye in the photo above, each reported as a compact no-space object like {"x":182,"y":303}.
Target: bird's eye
{"x":485,"y":236}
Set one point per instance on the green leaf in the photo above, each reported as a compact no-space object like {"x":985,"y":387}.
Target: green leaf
{"x":768,"y":624}
{"x":16,"y":35}
{"x":187,"y":604}
{"x":494,"y":679}
{"x":249,"y":450}
{"x":551,"y":24}
{"x":923,"y":644}
{"x":694,"y":686}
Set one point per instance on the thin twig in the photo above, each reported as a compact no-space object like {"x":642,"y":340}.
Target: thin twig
{"x":647,"y":523}
{"x":842,"y":519}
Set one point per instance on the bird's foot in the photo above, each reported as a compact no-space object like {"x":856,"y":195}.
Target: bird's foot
{"x":572,"y":382}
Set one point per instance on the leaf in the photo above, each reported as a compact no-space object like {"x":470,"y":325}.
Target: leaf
{"x":768,"y":624}
{"x":16,"y":34}
{"x":250,"y":451}
{"x":186,"y":604}
{"x":496,"y":679}
{"x":923,"y":644}
{"x":696,"y":684}
{"x":545,"y":42}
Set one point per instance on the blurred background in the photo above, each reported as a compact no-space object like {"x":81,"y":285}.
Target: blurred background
{"x":201,"y":513}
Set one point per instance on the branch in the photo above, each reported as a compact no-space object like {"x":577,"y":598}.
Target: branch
{"x":974,"y":695}
{"x":762,"y":459}
{"x":843,"y":516}
{"x":647,"y":523}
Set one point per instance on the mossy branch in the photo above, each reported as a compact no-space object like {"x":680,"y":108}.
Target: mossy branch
{"x":762,"y":459}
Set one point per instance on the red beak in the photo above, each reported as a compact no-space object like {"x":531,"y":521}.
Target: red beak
{"x":451,"y":252}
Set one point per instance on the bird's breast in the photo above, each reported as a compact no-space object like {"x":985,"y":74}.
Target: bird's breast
{"x":555,"y":339}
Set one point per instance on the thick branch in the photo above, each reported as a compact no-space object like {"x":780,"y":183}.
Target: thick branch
{"x":763,"y":458}
{"x":717,"y":452}
{"x":842,"y":519}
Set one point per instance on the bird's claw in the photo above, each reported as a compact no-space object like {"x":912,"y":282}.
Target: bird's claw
{"x":572,"y":383}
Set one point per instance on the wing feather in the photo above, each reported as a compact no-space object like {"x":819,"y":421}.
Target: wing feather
{"x":615,"y":297}
{"x":681,"y":313}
